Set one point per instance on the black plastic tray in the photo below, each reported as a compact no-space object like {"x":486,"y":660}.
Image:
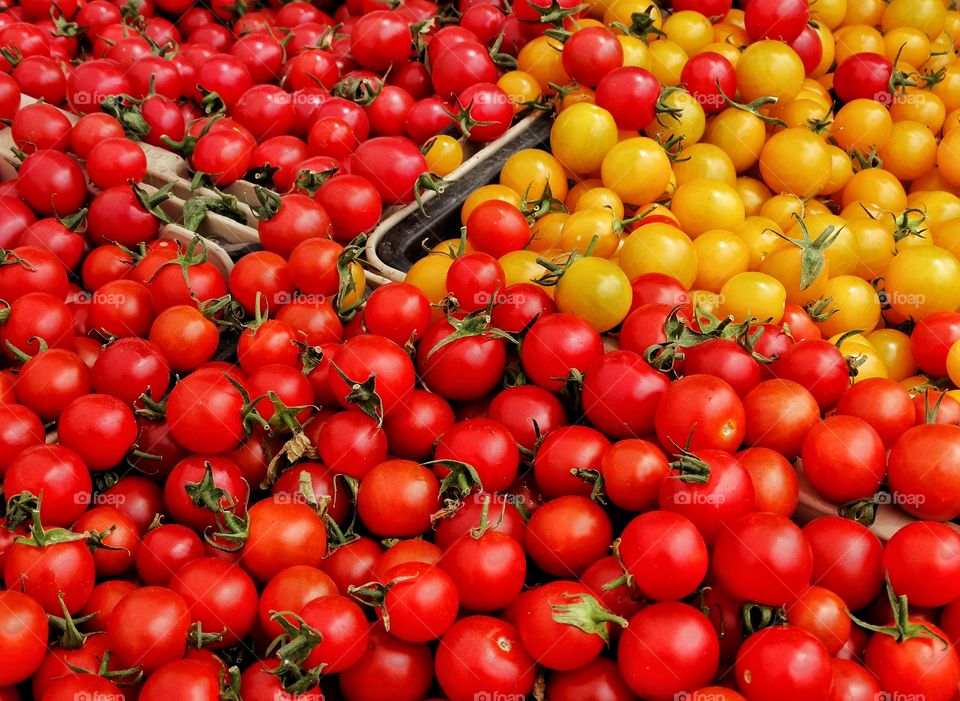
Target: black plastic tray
{"x":403,"y":245}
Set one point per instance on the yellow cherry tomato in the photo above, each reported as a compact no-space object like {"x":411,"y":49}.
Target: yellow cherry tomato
{"x":635,"y":52}
{"x":851,"y":342}
{"x":429,"y":275}
{"x":783,"y":209}
{"x":637,"y":169}
{"x":546,"y":231}
{"x":685,"y":119}
{"x":910,"y":152}
{"x":922,"y":280}
{"x":928,"y":16}
{"x":530,"y":171}
{"x":753,"y":295}
{"x":938,"y":206}
{"x":920,"y":106}
{"x":577,"y":191}
{"x":600,"y":198}
{"x":948,"y":157}
{"x":947,"y":236}
{"x":622,"y":11}
{"x":762,"y":236}
{"x":595,"y":290}
{"x":701,"y":205}
{"x":841,"y":170}
{"x":795,"y":161}
{"x":875,"y":186}
{"x":521,"y":87}
{"x":805,"y":112}
{"x":953,"y":363}
{"x":729,"y":34}
{"x":951,"y":27}
{"x":659,"y":248}
{"x":741,"y":135}
{"x":444,"y":154}
{"x":909,"y":43}
{"x":728,"y":50}
{"x":451,"y":246}
{"x":690,"y":30}
{"x":868,"y":12}
{"x":857,"y":39}
{"x":488,"y":192}
{"x":861,"y":124}
{"x":721,"y":255}
{"x":786,"y":265}
{"x":855,"y":305}
{"x":875,"y":247}
{"x":704,"y":162}
{"x":541,"y":58}
{"x":581,"y":136}
{"x":576,"y":96}
{"x":666,"y":61}
{"x":769,"y":68}
{"x":893,"y":348}
{"x":933,"y":180}
{"x":842,"y":253}
{"x":829,"y":12}
{"x":753,"y":193}
{"x":521,"y":266}
{"x":948,"y":89}
{"x":828,"y":52}
{"x":596,"y":227}
{"x":868,"y":364}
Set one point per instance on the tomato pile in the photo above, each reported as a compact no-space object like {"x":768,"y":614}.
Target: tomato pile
{"x":674,"y":415}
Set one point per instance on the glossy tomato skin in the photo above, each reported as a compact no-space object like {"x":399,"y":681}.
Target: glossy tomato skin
{"x":931,"y":340}
{"x":45,"y":572}
{"x":405,"y":668}
{"x":561,"y":452}
{"x":844,"y":458}
{"x":464,"y":369}
{"x":59,"y":474}
{"x":149,"y":627}
{"x":784,"y":662}
{"x":414,"y":427}
{"x":282,"y":534}
{"x":847,"y":559}
{"x":927,"y":487}
{"x":397,"y":497}
{"x":727,"y":494}
{"x":937,"y":545}
{"x":363,"y":357}
{"x":517,"y":408}
{"x":725,"y":359}
{"x":23,"y":636}
{"x":882,"y":403}
{"x":666,"y":649}
{"x":557,"y":344}
{"x":220,"y":596}
{"x":764,"y":558}
{"x":817,"y":365}
{"x":921,"y":665}
{"x":486,"y":446}
{"x":700,"y":411}
{"x":479,"y":655}
{"x":665,"y":553}
{"x":779,"y":414}
{"x":621,"y":393}
{"x":567,"y":534}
